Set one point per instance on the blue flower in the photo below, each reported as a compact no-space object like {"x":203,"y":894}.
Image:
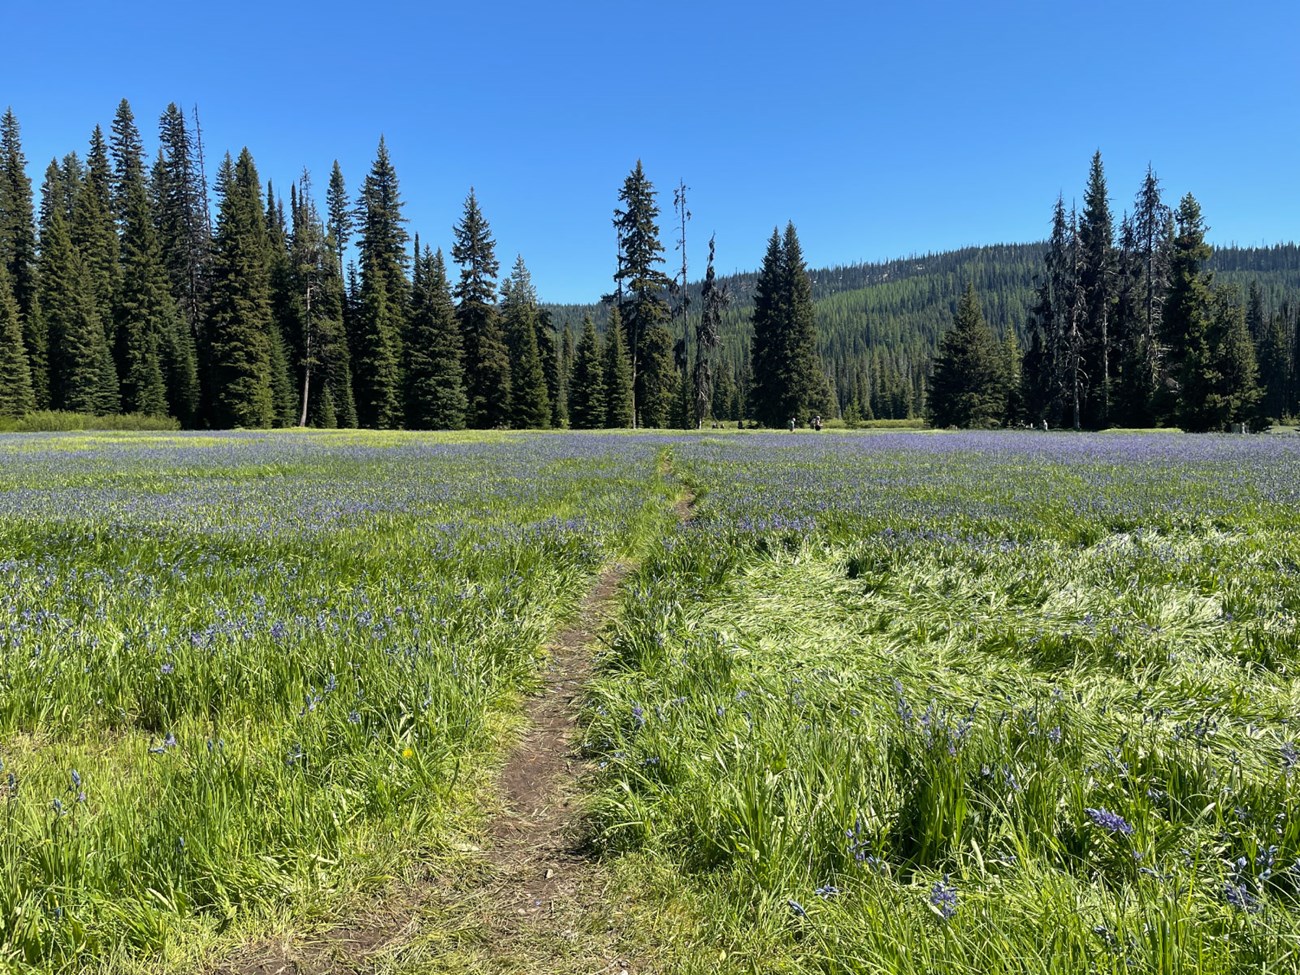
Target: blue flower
{"x":1110,"y":821}
{"x":943,"y":898}
{"x":797,"y":908}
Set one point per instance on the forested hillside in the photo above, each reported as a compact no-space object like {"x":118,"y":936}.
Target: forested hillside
{"x":886,"y":318}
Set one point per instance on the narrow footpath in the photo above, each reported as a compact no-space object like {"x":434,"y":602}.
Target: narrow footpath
{"x":537,"y":901}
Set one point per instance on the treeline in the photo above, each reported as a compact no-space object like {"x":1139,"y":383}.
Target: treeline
{"x":1129,"y":327}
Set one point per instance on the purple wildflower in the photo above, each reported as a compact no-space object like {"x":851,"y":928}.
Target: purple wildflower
{"x":1110,"y":821}
{"x":943,"y":898}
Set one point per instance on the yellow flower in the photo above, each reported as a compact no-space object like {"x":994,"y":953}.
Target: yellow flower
{"x":408,"y":751}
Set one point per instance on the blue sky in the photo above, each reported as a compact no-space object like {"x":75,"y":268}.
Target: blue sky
{"x":879,"y":130}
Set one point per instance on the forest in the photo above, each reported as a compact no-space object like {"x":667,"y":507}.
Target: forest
{"x":125,"y":288}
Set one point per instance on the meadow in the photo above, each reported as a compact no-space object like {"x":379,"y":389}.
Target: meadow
{"x":889,"y":702}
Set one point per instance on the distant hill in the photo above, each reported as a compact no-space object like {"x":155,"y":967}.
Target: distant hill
{"x":886,"y":318}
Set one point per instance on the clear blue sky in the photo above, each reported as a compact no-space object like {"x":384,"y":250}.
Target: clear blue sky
{"x":880,"y":130}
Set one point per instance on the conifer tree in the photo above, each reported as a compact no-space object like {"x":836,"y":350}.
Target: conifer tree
{"x":708,"y":332}
{"x":338,"y":213}
{"x":641,"y":296}
{"x":239,"y":324}
{"x":182,"y":223}
{"x":617,"y":376}
{"x":548,"y":350}
{"x":18,"y":252}
{"x":1097,"y":269}
{"x":155,"y":362}
{"x":787,"y":375}
{"x":381,"y":315}
{"x":1144,"y":360}
{"x":16,"y":396}
{"x":435,"y":378}
{"x":1236,"y":400}
{"x":487,"y":357}
{"x":530,"y":406}
{"x":1275,"y":368}
{"x":587,"y":403}
{"x":1191,"y":375}
{"x":82,"y":376}
{"x":968,"y":387}
{"x":94,"y":233}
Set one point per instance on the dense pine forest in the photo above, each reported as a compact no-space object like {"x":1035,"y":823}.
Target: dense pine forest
{"x":126,"y":287}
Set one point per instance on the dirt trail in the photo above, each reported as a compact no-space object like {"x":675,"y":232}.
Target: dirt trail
{"x":538,"y":901}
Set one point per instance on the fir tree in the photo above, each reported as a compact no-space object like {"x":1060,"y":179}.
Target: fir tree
{"x":487,"y":357}
{"x":1275,"y":368}
{"x":640,"y":294}
{"x":18,"y":252}
{"x":83,"y":379}
{"x":94,"y":233}
{"x":968,"y":387}
{"x":338,"y":213}
{"x":1144,"y":361}
{"x":587,"y":404}
{"x":549,"y":351}
{"x":788,"y":380}
{"x":381,"y":316}
{"x":239,"y":325}
{"x":707,"y":334}
{"x":1097,"y":269}
{"x":617,"y":377}
{"x":156,"y":364}
{"x":182,"y":223}
{"x":16,"y":396}
{"x":1236,"y":400}
{"x":1190,"y":371}
{"x":434,"y":371}
{"x":530,"y":407}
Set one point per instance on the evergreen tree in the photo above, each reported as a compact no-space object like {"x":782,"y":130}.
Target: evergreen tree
{"x":381,"y":317}
{"x":1144,"y":362}
{"x":530,"y":407}
{"x":156,"y":363}
{"x":641,"y":289}
{"x":587,"y":404}
{"x":548,"y":349}
{"x":707,"y":334}
{"x":1256,"y":317}
{"x":239,"y":324}
{"x":617,"y":377}
{"x":1097,"y":270}
{"x":487,"y":357}
{"x":968,"y":386}
{"x":94,"y":233}
{"x":788,"y":380}
{"x":1236,"y":400}
{"x":16,"y":395}
{"x":338,"y":213}
{"x":286,"y":314}
{"x":182,"y":223}
{"x":435,"y":379}
{"x":1190,"y":368}
{"x":1275,"y":369}
{"x":18,"y":252}
{"x":82,"y":376}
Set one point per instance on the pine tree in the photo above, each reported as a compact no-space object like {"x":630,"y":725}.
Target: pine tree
{"x":487,"y":357}
{"x":617,"y":376}
{"x":156,"y":365}
{"x":1097,"y":270}
{"x":182,"y":224}
{"x":94,"y":233}
{"x":1144,"y":363}
{"x":18,"y":253}
{"x":548,"y":349}
{"x":640,"y":294}
{"x":788,"y":380}
{"x":1275,"y":368}
{"x":83,"y":379}
{"x":239,"y":324}
{"x":1236,"y":400}
{"x":16,"y":395}
{"x":708,"y":332}
{"x":968,"y":386}
{"x":530,"y":406}
{"x":1190,"y":368}
{"x":587,"y":404}
{"x":381,"y":318}
{"x":435,"y":375}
